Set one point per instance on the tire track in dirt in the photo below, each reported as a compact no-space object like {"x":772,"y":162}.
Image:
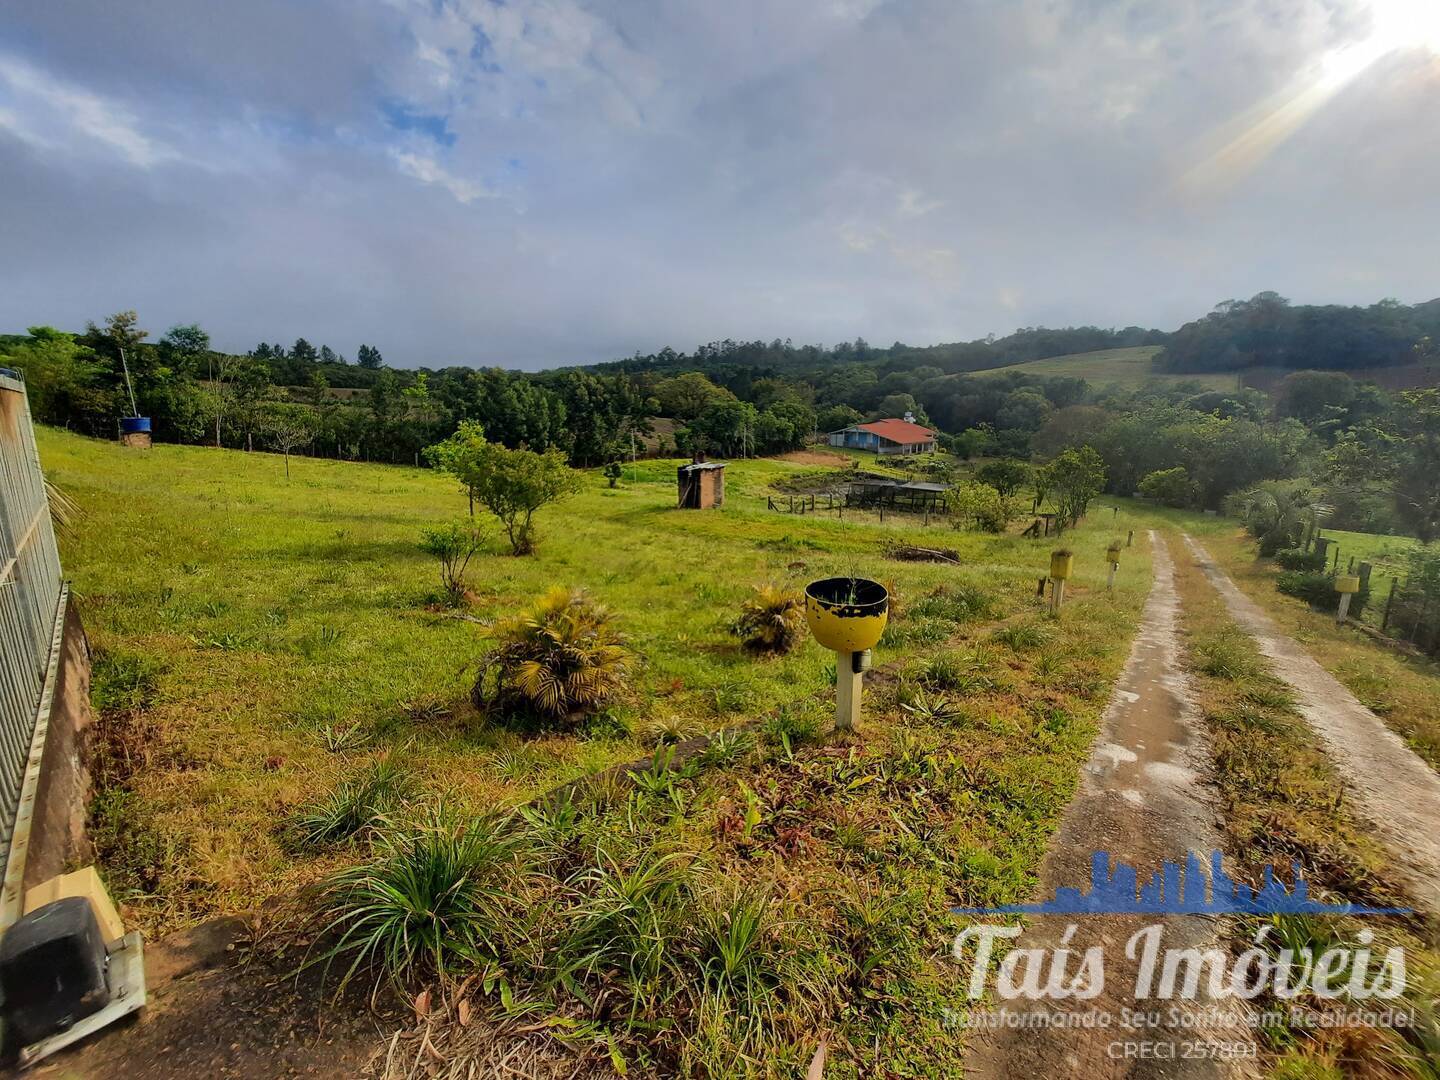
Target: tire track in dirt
{"x":1141,"y":799}
{"x":1393,"y":788}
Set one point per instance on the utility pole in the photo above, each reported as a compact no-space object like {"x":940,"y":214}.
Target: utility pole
{"x":125,"y":367}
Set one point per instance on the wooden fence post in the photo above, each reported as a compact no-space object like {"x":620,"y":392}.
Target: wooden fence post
{"x":1389,"y":604}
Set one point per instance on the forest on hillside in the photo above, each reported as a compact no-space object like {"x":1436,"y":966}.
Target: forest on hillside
{"x":1369,"y":456}
{"x":1268,"y":331}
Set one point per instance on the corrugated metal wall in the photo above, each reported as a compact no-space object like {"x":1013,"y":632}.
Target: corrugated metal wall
{"x":30,"y":589}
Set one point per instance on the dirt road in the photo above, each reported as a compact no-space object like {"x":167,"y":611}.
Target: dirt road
{"x":1140,"y":799}
{"x":1392,"y":788}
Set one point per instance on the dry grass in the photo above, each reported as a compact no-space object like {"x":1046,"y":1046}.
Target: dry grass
{"x":1284,"y":802}
{"x":1403,"y":690}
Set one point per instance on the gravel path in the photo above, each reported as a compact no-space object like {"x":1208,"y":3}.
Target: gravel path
{"x":1392,"y":787}
{"x":1140,"y":799}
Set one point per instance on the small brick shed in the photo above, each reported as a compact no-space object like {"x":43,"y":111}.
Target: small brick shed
{"x":701,"y":484}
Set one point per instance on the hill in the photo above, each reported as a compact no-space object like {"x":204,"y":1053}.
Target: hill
{"x":1125,"y":368}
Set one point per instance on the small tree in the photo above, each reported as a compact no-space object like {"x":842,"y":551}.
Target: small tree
{"x":454,"y":544}
{"x":459,"y":455}
{"x":1006,"y":475}
{"x":288,"y":428}
{"x":1042,"y":479}
{"x":1079,"y":475}
{"x":1417,"y":482}
{"x":511,"y":484}
{"x":613,"y":472}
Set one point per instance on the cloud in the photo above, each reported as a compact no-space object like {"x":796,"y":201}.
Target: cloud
{"x":51,"y":114}
{"x":429,"y":171}
{"x":557,"y":181}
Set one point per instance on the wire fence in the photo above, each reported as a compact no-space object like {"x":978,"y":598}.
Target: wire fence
{"x":30,"y":592}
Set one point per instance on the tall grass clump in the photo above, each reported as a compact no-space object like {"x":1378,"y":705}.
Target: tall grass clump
{"x":438,"y":896}
{"x":772,"y":620}
{"x":956,"y":604}
{"x":356,"y":806}
{"x":1021,"y":636}
{"x":561,"y":661}
{"x":628,"y":925}
{"x":1228,"y":653}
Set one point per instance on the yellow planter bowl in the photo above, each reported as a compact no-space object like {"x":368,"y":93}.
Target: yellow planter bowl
{"x":1114,"y":552}
{"x":1347,"y":583}
{"x":846,"y":615}
{"x":1061,"y":566}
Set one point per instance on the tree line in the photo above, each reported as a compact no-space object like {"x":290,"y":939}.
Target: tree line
{"x":1268,"y":331}
{"x":1370,"y":456}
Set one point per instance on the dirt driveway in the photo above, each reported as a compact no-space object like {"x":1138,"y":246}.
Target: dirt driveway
{"x":1141,"y":800}
{"x":1392,"y":788}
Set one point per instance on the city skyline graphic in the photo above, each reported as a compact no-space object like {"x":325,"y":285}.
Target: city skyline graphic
{"x":1181,"y":890}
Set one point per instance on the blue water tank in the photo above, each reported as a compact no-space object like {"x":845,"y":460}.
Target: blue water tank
{"x":134,"y":425}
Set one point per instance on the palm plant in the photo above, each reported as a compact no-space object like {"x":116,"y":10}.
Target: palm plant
{"x":561,"y":661}
{"x":1278,"y":514}
{"x":771,"y":621}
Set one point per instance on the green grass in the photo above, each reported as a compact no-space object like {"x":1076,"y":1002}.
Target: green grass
{"x":263,"y":644}
{"x":1127,"y":369}
{"x":1385,"y":553}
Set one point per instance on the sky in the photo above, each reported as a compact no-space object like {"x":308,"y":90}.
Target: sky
{"x":542,"y":182}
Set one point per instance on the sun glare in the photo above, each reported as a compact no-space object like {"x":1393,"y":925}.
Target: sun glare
{"x":1406,"y":24}
{"x":1238,"y":146}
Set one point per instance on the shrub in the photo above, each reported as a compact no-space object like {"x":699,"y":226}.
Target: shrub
{"x":989,"y":509}
{"x":454,"y":544}
{"x":436,"y":897}
{"x":561,"y":661}
{"x":357,"y":805}
{"x":1173,"y":487}
{"x":772,"y":620}
{"x":1318,"y":590}
{"x":1274,"y":540}
{"x":1300,"y":559}
{"x":511,"y":484}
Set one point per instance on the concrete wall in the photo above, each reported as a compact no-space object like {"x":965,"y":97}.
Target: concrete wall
{"x":58,"y":840}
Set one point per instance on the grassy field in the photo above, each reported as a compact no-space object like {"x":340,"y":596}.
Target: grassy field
{"x":1385,"y":553}
{"x":260,"y":642}
{"x":1125,"y":368}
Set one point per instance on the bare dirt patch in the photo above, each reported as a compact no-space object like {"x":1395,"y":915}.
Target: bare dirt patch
{"x":814,"y":457}
{"x":218,"y":1008}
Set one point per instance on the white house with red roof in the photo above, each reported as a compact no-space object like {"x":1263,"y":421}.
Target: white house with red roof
{"x":886,"y":437}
